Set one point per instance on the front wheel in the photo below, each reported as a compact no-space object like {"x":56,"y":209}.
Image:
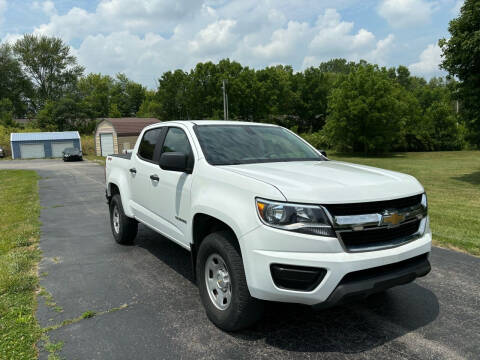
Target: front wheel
{"x":124,"y":229}
{"x":222,"y":284}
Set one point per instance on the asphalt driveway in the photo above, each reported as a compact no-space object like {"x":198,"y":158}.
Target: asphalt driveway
{"x":148,"y":306}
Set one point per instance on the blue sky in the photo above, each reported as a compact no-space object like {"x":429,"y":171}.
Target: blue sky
{"x":144,"y":38}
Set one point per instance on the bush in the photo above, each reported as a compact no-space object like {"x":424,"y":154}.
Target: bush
{"x":316,"y":139}
{"x":88,"y":144}
{"x":5,"y":136}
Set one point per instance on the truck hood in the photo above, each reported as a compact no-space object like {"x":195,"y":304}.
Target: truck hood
{"x":330,"y":182}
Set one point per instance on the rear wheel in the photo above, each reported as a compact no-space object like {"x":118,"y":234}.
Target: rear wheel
{"x":124,"y":229}
{"x":222,"y":284}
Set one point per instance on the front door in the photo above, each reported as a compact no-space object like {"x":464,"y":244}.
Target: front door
{"x":173,"y":200}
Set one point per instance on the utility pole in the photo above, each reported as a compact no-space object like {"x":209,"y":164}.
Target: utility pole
{"x":225,"y":99}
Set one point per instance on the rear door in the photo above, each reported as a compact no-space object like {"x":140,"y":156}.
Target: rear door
{"x":58,"y":147}
{"x":143,"y":175}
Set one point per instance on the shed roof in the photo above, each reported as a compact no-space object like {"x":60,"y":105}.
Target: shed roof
{"x":39,"y":136}
{"x":131,"y":125}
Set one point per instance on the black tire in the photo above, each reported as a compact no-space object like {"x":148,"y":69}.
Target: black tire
{"x":244,"y":310}
{"x":127,"y":227}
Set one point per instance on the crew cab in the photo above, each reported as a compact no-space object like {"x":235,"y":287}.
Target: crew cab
{"x":267,"y":217}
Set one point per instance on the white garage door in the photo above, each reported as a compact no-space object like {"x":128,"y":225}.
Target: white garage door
{"x":106,"y":144}
{"x":58,"y":147}
{"x":32,"y":151}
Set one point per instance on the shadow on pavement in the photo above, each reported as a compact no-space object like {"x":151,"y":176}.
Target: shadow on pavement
{"x":472,"y":178}
{"x":346,"y":329}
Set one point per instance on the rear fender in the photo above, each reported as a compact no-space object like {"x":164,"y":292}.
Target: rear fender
{"x":124,"y":189}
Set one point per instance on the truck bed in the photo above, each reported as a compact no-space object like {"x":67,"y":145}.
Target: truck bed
{"x":122,"y":156}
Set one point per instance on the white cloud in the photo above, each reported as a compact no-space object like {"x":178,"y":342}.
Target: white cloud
{"x":430,"y":59}
{"x":118,"y":15}
{"x":336,"y":38}
{"x":155,"y":36}
{"x":48,"y":7}
{"x":283,"y":42}
{"x":139,"y":57}
{"x":406,"y":13}
{"x":456,"y":9}
{"x":11,"y":38}
{"x":216,"y":37}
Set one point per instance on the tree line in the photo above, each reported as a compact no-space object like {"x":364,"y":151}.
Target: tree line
{"x":348,"y":106}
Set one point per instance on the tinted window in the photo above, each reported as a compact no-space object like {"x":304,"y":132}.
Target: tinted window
{"x":176,"y":141}
{"x":245,"y":144}
{"x":148,"y":143}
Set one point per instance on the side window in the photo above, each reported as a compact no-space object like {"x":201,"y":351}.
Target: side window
{"x":148,"y":143}
{"x":177,"y":141}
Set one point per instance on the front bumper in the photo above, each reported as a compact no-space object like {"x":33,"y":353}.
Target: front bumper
{"x":73,"y":158}
{"x":266,"y":246}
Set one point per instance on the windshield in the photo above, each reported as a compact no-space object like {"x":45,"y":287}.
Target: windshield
{"x":70,"y":150}
{"x":246,"y":144}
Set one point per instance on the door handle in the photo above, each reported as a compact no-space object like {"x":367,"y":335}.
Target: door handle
{"x":154,"y":177}
{"x":133,"y":170}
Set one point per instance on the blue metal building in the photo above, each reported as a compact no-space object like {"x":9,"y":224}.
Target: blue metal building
{"x":43,"y":144}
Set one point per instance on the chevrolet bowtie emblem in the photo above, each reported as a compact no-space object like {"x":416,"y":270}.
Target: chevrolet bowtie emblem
{"x":392,"y":218}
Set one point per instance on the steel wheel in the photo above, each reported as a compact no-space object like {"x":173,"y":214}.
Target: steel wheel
{"x":218,"y":282}
{"x":116,"y":219}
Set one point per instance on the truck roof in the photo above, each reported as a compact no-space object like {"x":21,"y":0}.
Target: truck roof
{"x":216,"y":122}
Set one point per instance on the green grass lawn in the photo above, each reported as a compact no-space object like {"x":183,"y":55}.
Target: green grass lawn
{"x":19,"y":256}
{"x":452,"y":182}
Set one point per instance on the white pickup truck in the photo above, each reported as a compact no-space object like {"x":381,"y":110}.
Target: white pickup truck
{"x":266,"y":216}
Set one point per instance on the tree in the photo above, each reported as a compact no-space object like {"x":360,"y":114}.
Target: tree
{"x":150,"y":107}
{"x":13,"y":83}
{"x":68,"y":113}
{"x":337,"y":66}
{"x":114,"y":112}
{"x":6,"y":112}
{"x":50,"y":66}
{"x":403,"y":76}
{"x":364,"y":112}
{"x":95,"y":89}
{"x":173,"y":95}
{"x":461,"y":58}
{"x":127,"y":95}
{"x":314,"y":89}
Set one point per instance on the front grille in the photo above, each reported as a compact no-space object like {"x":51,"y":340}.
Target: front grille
{"x":378,"y":237}
{"x":373,"y":207}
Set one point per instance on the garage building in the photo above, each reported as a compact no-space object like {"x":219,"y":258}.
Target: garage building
{"x":115,"y":135}
{"x":43,"y":144}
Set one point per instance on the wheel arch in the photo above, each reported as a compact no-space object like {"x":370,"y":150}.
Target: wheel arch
{"x":116,"y":187}
{"x":204,"y":224}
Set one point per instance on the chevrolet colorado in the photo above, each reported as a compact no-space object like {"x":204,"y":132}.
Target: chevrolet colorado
{"x":266,"y":216}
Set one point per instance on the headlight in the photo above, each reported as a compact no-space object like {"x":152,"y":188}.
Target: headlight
{"x":306,"y":219}
{"x":424,"y":202}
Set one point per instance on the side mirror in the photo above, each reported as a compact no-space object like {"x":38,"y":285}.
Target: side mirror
{"x":173,"y":161}
{"x":323,"y":152}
